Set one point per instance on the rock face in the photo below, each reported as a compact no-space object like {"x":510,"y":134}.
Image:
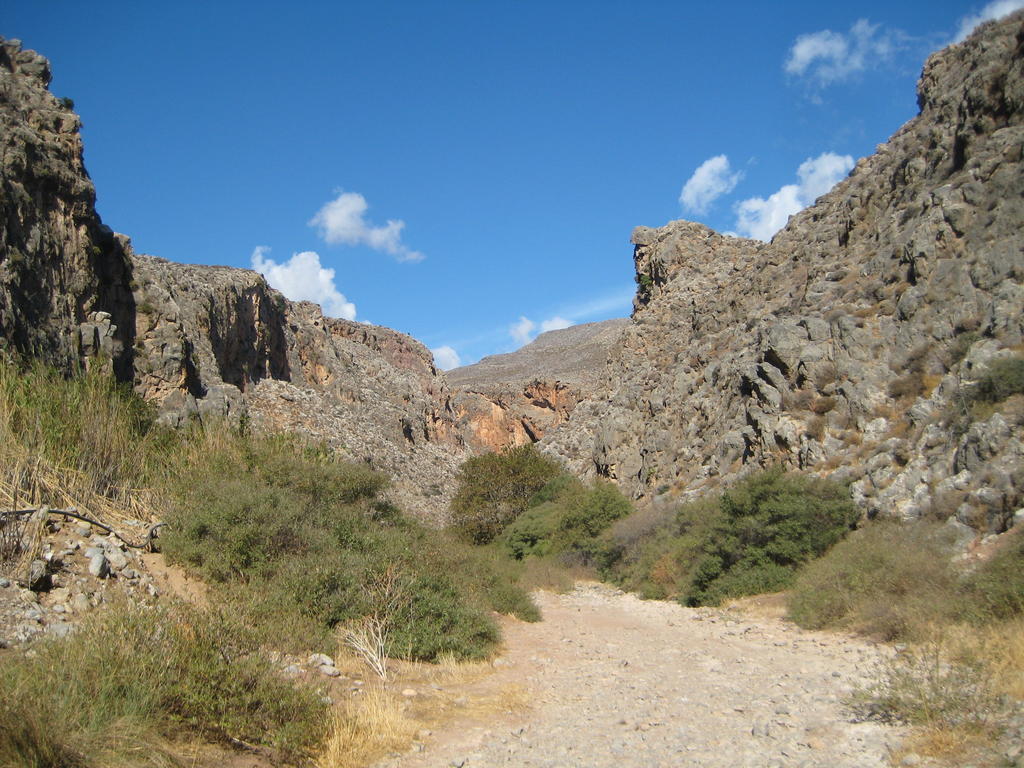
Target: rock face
{"x":58,"y":263}
{"x":845,"y":342}
{"x":199,"y":342}
{"x":220,"y":341}
{"x":514,"y":399}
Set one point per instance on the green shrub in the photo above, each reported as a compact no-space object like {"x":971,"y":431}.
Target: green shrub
{"x":135,"y":675}
{"x":770,"y":524}
{"x":1004,"y":377}
{"x":976,"y":402}
{"x":289,"y":531}
{"x":566,"y":518}
{"x":532,"y":533}
{"x":585,"y":518}
{"x":494,"y":489}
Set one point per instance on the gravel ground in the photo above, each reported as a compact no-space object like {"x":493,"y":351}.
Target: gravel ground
{"x":617,"y":681}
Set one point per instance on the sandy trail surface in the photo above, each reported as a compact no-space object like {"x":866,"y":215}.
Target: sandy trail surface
{"x":611,"y":680}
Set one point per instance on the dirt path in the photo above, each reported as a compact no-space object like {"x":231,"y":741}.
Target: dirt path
{"x":616,"y":681}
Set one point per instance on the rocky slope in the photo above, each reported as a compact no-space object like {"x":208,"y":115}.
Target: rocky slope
{"x":199,"y":342}
{"x":515,"y":398}
{"x":844,"y":343}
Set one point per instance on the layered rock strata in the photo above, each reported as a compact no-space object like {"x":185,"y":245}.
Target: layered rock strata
{"x":847,"y":343}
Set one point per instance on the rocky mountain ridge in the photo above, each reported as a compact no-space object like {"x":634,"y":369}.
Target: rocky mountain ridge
{"x":198,"y":342}
{"x":515,"y":398}
{"x":845,"y":343}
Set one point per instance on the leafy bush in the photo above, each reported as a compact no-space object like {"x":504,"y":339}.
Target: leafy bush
{"x":494,"y":489}
{"x":586,"y":516}
{"x":770,"y":524}
{"x":566,"y":518}
{"x":747,"y":540}
{"x":533,"y":532}
{"x":133,"y":675}
{"x":1004,"y":377}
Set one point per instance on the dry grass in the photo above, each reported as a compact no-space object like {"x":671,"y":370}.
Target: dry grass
{"x":73,"y":443}
{"x":995,"y":653}
{"x":771,"y":605}
{"x":381,"y":721}
{"x":366,"y":728}
{"x":998,"y":647}
{"x":550,"y":574}
{"x":949,"y":745}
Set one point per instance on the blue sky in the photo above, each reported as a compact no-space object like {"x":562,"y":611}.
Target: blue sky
{"x":471,"y":171}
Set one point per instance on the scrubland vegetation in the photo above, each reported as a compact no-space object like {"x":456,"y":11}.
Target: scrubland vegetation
{"x":300,"y":547}
{"x":961,"y":622}
{"x":296,"y":544}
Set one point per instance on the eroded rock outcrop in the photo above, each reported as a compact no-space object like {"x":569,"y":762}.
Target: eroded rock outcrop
{"x":198,"y":342}
{"x":845,"y":342}
{"x":219,"y":341}
{"x":516,"y":398}
{"x":58,"y":264}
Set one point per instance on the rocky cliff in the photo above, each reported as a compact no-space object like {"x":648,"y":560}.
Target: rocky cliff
{"x":846,"y":344}
{"x":58,"y":263}
{"x":516,"y":398}
{"x":198,"y":342}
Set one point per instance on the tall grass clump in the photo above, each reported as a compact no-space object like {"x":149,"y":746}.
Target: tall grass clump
{"x":888,"y":579}
{"x":134,"y":679}
{"x":84,"y":441}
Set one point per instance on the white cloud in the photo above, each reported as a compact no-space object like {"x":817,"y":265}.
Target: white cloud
{"x":827,"y":57}
{"x":760,"y":218}
{"x":343,"y":220}
{"x":446,"y":358}
{"x":818,"y":175}
{"x":712,"y":179}
{"x":521,"y":330}
{"x":524,"y":330}
{"x":994,"y":10}
{"x":302,"y":278}
{"x":555,"y":323}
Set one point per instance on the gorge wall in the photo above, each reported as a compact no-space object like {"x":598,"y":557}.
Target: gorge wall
{"x":845,"y":344}
{"x":198,"y":342}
